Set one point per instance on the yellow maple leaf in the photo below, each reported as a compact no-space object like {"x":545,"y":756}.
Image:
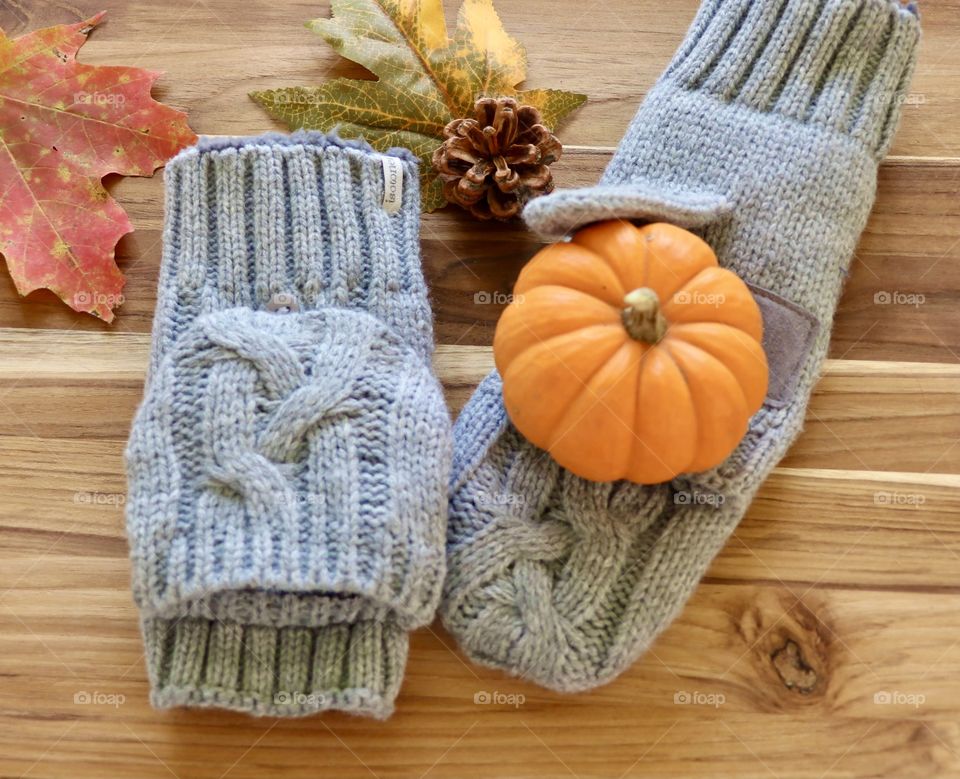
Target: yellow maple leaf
{"x":425,"y":78}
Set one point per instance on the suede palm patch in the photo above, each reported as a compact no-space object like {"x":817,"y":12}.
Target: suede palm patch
{"x":789,"y":332}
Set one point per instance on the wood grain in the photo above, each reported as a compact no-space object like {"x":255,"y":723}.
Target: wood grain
{"x":214,"y":56}
{"x":824,"y":641}
{"x":801,"y":616}
{"x":808,"y":568}
{"x":899,"y":302}
{"x":87,"y":386}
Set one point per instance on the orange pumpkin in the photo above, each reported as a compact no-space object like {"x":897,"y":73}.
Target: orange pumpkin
{"x":628,"y":353}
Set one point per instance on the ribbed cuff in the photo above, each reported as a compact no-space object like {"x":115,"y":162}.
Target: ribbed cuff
{"x":844,"y":64}
{"x":283,"y":672}
{"x":306,"y":218}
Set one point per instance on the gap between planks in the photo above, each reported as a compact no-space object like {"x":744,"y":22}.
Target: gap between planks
{"x":879,"y":420}
{"x":77,"y":354}
{"x":822,"y":529}
{"x":894,"y":160}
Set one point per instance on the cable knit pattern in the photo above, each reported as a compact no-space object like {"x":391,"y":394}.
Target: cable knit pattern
{"x":764,"y":136}
{"x":288,"y":465}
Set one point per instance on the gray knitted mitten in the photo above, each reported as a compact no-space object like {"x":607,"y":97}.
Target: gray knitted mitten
{"x":764,"y":135}
{"x":288,"y":467}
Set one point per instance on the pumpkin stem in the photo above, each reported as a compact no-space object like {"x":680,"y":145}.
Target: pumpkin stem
{"x":642,"y":317}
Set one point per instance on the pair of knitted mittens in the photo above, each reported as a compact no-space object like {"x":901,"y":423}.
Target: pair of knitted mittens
{"x":290,"y":464}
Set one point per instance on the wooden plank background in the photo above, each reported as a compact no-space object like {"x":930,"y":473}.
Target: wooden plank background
{"x":825,"y":640}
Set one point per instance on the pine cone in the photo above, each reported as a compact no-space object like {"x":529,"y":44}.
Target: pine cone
{"x":493,"y":163}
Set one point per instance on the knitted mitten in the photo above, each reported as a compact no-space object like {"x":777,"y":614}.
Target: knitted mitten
{"x":288,"y":467}
{"x":764,"y":135}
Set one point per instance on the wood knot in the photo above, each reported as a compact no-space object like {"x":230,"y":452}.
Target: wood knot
{"x":792,"y":646}
{"x":792,"y":668}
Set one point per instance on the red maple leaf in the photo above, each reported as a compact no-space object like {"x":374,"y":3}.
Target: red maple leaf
{"x":63,"y":127}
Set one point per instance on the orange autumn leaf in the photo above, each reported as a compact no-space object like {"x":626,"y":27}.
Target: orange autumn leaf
{"x":64,"y":126}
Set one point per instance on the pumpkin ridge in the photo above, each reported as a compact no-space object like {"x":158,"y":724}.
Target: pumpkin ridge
{"x":586,"y":385}
{"x":568,"y":287}
{"x":601,"y":249}
{"x":662,"y":271}
{"x":678,"y":333}
{"x":679,"y":363}
{"x":560,"y":404}
{"x":547,"y":288}
{"x":605,"y":406}
{"x":686,"y":376}
{"x":514,"y":325}
{"x":579,"y":291}
{"x":639,"y":441}
{"x":679,"y":327}
{"x":547,"y":263}
{"x":722,"y":297}
{"x":646,"y":266}
{"x":544,"y":341}
{"x":689,"y":282}
{"x":686,"y":381}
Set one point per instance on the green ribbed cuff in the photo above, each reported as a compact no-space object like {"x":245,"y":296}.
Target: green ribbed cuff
{"x":270,"y":671}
